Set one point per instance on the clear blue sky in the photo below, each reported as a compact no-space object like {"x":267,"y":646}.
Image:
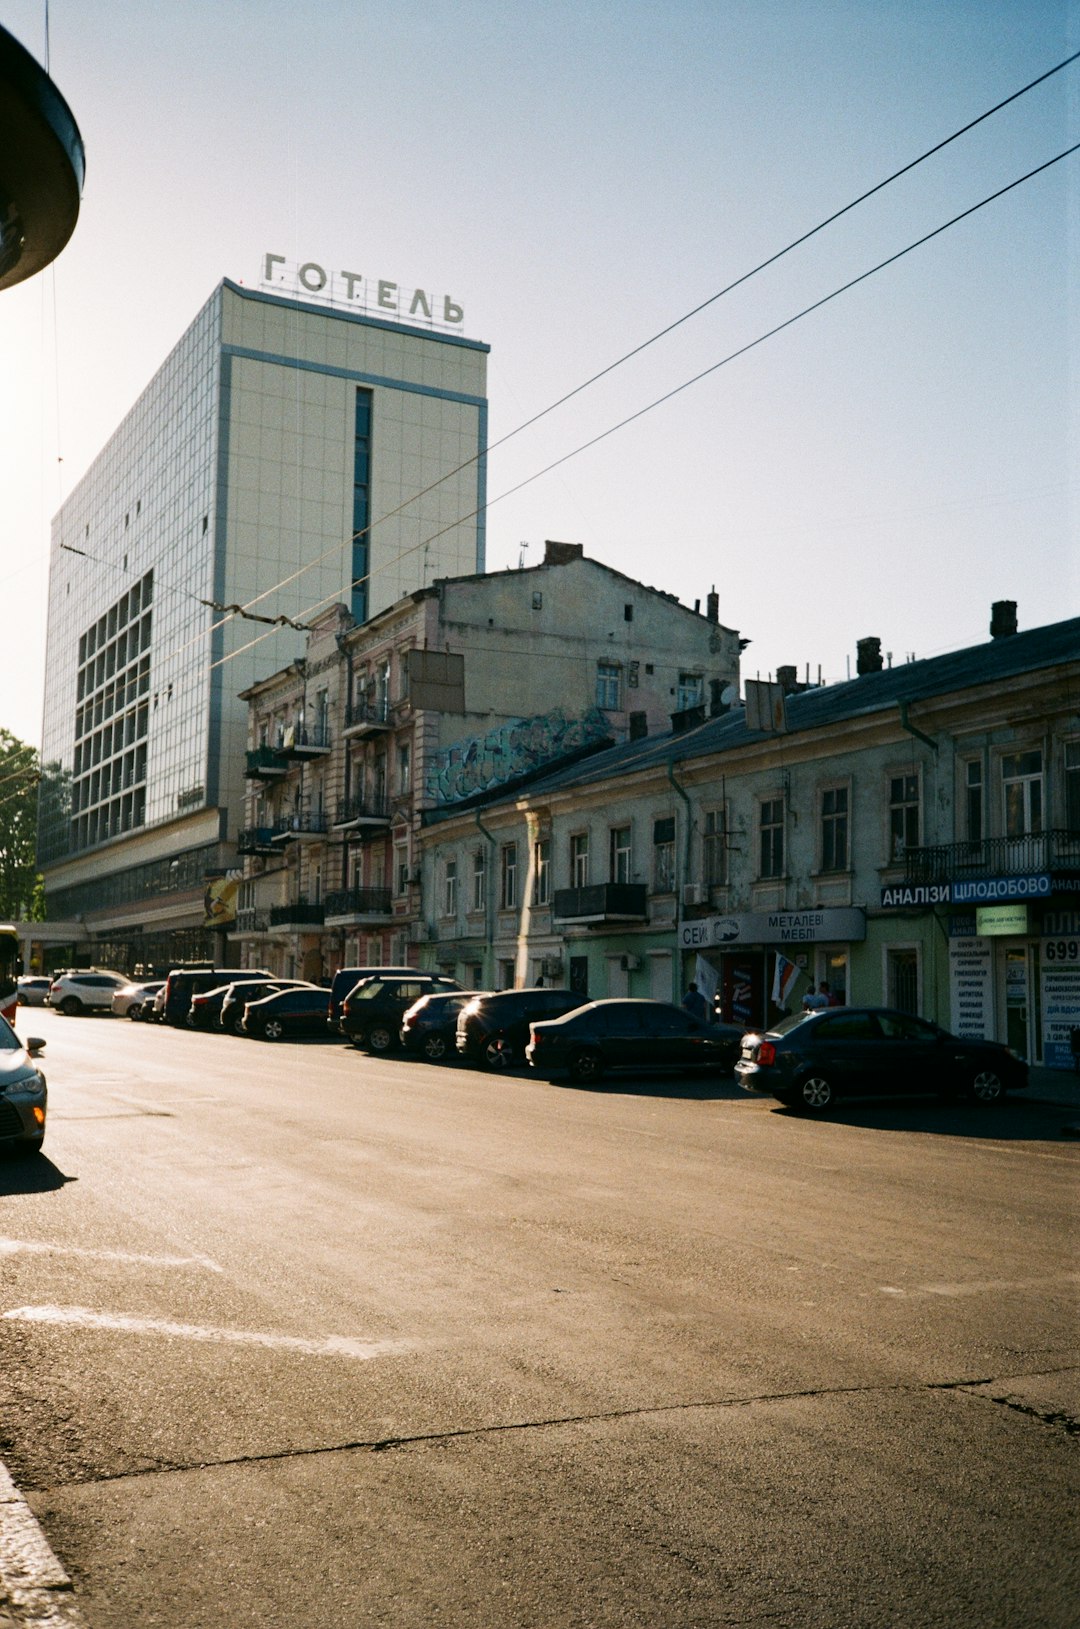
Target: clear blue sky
{"x":579,"y":175}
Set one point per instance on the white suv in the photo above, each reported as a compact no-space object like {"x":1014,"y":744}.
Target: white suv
{"x":74,"y":993}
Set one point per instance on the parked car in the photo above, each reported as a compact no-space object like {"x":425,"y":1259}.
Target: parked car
{"x":32,"y":991}
{"x":132,"y":1000}
{"x":184,"y":982}
{"x":74,"y":993}
{"x":235,"y":997}
{"x":812,"y":1059}
{"x":299,"y":1011}
{"x":493,"y":1029}
{"x":373,"y":1010}
{"x":372,"y":1013}
{"x":630,"y":1034}
{"x":23,"y":1093}
{"x":429,"y":1026}
{"x":347,"y":978}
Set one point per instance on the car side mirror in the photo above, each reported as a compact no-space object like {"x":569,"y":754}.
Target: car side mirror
{"x":35,"y":1045}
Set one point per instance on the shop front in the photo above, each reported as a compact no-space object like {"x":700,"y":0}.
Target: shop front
{"x":1014,"y":973}
{"x":763,"y":963}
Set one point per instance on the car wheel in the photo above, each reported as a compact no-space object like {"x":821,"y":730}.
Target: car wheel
{"x":586,"y":1066}
{"x":273,"y":1029}
{"x":134,"y":1012}
{"x":987,"y":1087}
{"x":380,"y":1038}
{"x":435,"y":1047}
{"x":71,"y":1006}
{"x":499,"y":1055}
{"x":816,"y":1094}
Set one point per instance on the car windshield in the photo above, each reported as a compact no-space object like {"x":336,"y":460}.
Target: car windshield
{"x":9,"y":1041}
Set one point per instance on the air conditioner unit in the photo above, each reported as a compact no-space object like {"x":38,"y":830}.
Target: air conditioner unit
{"x":630,"y":964}
{"x":693,"y":893}
{"x":551,"y":967}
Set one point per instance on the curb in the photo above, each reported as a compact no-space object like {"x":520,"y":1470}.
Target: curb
{"x":34,"y":1588}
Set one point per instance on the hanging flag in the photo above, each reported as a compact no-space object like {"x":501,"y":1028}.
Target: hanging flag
{"x":783,"y":979}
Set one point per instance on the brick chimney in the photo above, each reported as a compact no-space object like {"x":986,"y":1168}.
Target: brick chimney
{"x":1002,"y":619}
{"x":712,"y":606}
{"x":868,"y":656}
{"x":559,"y":554}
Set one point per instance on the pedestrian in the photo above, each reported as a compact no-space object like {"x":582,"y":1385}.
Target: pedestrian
{"x":695,"y":1004}
{"x":816,"y":1000}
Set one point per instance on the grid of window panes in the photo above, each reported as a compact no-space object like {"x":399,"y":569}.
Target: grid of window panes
{"x":181,"y":874}
{"x":361,"y":504}
{"x":834,"y":828}
{"x":146,"y":504}
{"x":108,"y":785}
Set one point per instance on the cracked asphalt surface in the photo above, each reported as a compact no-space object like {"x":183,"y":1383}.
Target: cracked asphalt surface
{"x":293,"y":1336}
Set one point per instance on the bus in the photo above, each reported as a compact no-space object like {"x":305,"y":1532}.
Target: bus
{"x":10,"y":968}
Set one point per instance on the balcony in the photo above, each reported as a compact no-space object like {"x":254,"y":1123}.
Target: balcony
{"x":249,"y":920}
{"x":353,"y":907}
{"x":1046,"y":851}
{"x":265,"y":764}
{"x":357,"y":814}
{"x":602,"y":903}
{"x":297,"y":917}
{"x":256,"y":840}
{"x":368,"y":716}
{"x":305,"y":827}
{"x":300,"y":745}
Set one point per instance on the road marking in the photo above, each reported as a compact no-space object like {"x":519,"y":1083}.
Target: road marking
{"x":989,"y":1286}
{"x":86,"y":1318}
{"x":32,"y":1581}
{"x":14,"y":1247}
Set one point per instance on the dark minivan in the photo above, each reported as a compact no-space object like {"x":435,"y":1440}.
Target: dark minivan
{"x":493,"y":1029}
{"x":183,"y":982}
{"x":347,"y":978}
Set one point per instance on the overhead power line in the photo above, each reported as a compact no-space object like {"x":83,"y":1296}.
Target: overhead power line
{"x":732,"y":356}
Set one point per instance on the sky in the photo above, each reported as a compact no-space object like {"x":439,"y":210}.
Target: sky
{"x":578,"y":176}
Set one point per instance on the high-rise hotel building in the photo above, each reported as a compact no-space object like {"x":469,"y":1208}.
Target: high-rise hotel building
{"x":288,"y":455}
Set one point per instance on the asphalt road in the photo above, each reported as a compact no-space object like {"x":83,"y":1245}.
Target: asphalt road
{"x":291,"y":1336}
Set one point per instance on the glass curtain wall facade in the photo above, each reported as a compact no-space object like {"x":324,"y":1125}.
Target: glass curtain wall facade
{"x":273,"y":467}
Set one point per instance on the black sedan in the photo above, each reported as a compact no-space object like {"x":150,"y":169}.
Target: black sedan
{"x":811,"y":1060}
{"x":641,"y":1035}
{"x":290,"y":1013}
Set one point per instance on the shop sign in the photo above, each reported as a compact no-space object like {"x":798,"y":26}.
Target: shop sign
{"x":1060,"y":980}
{"x":906,"y":894}
{"x":971,"y":987}
{"x":841,"y":925}
{"x":1001,"y":919}
{"x":985,"y":889}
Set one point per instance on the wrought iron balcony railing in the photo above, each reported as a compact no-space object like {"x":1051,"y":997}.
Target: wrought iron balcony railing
{"x":301,"y":912}
{"x":601,"y":902}
{"x":359,"y":902}
{"x":994,"y":857}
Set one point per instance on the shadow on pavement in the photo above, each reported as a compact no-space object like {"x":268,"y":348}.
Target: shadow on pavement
{"x":1013,"y":1120}
{"x":31,"y":1173}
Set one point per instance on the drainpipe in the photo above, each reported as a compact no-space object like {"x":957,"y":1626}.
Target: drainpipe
{"x":920,"y":735}
{"x":489,"y":900}
{"x":676,"y":969}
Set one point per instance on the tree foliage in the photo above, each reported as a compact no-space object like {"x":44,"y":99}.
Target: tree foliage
{"x":20,"y":883}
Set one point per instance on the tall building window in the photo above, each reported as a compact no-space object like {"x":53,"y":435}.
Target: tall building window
{"x":620,"y":854}
{"x":542,"y":859}
{"x":664,"y":855}
{"x":361,"y":518}
{"x":1072,"y":786}
{"x":450,"y":889}
{"x":771,"y":834}
{"x":579,"y":860}
{"x":404,"y":763}
{"x":973,"y":800}
{"x":714,"y":848}
{"x":607,"y":686}
{"x":1021,"y":779}
{"x":903,"y":815}
{"x":113,"y":704}
{"x":834,"y":829}
{"x":508,"y":877}
{"x":479,"y":880}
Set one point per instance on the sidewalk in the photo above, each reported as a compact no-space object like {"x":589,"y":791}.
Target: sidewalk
{"x":1060,"y":1086}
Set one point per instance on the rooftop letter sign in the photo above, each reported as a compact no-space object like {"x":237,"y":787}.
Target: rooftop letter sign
{"x":374,"y":296}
